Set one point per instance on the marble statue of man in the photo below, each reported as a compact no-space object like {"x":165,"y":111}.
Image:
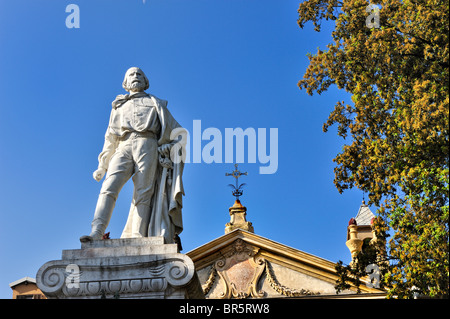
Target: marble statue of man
{"x":139,"y":144}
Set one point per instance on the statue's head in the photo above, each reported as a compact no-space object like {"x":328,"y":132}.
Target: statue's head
{"x":135,"y":80}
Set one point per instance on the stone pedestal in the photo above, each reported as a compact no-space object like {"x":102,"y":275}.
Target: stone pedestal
{"x":121,"y":268}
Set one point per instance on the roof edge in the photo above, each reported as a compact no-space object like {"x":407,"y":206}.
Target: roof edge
{"x":22,"y":280}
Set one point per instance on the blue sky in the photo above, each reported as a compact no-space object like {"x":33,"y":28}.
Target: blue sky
{"x":227,"y":63}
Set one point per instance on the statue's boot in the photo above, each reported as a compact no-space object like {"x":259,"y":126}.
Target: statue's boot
{"x":141,"y":220}
{"x":102,"y":216}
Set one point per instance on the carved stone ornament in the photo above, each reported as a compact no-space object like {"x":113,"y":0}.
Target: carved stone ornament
{"x":240,"y":270}
{"x":354,"y":244}
{"x":127,"y":268}
{"x":283,"y":290}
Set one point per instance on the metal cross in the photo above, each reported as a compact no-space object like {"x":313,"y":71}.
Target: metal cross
{"x":237,"y":190}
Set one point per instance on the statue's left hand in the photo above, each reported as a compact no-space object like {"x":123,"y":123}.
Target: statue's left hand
{"x":164,"y":150}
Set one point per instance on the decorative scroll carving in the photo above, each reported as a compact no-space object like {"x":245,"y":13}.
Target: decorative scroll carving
{"x":240,"y":271}
{"x":143,"y":277}
{"x":210,"y":281}
{"x":53,"y":279}
{"x":178,"y":273}
{"x":285,"y":291}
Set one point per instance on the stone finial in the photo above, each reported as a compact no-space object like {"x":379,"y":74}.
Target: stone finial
{"x":237,"y":218}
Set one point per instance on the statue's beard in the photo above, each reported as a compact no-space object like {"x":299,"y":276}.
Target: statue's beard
{"x":136,"y":86}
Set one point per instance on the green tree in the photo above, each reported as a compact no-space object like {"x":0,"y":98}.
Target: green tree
{"x":397,"y":125}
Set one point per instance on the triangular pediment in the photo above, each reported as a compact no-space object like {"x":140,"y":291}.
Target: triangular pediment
{"x":241,"y":264}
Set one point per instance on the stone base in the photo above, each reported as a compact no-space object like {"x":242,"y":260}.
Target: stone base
{"x":121,"y":268}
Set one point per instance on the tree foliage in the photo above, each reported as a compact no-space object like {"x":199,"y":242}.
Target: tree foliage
{"x":396,"y":124}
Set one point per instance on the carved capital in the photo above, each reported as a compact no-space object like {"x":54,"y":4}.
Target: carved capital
{"x":139,"y":277}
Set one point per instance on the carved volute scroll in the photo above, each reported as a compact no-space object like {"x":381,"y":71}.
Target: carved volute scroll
{"x":240,"y":270}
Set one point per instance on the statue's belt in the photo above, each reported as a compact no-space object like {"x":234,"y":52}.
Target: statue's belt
{"x":135,"y":134}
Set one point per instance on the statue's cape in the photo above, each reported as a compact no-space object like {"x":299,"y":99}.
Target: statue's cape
{"x":122,"y":98}
{"x":171,"y":200}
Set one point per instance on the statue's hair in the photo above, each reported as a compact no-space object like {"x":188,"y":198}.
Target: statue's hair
{"x":125,"y":83}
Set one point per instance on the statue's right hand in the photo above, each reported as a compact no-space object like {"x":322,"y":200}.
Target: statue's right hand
{"x":98,"y":174}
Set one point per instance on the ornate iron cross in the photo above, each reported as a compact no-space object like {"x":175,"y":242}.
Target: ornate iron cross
{"x":237,"y":190}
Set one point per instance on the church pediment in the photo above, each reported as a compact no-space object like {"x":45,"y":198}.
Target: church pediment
{"x":241,"y":264}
